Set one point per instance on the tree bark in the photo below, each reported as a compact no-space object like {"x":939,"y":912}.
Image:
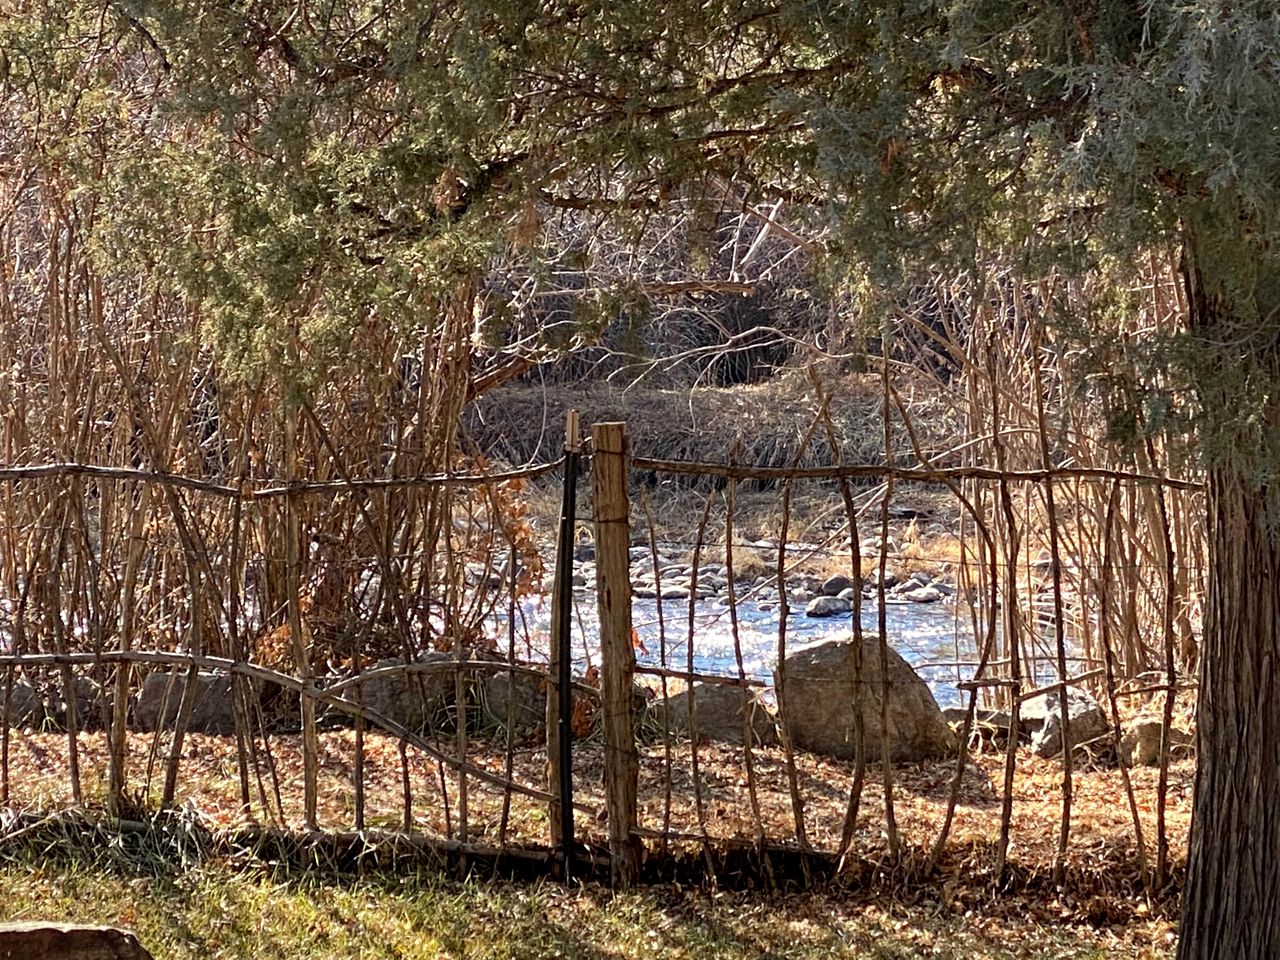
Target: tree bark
{"x":1231,"y":902}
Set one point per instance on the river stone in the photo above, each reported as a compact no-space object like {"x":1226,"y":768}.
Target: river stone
{"x":157,"y":703}
{"x":890,"y":580}
{"x":827,"y":607}
{"x":819,"y":708}
{"x":1088,"y":721}
{"x":1140,"y":742}
{"x":719,"y":714}
{"x":412,"y":700}
{"x":929,"y":594}
{"x":42,"y":940}
{"x":834,"y":586}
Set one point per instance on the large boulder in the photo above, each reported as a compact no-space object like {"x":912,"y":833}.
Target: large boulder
{"x":1043,"y":714}
{"x":25,"y":705}
{"x":157,"y":703}
{"x":517,"y":699}
{"x":414,"y":699}
{"x":91,"y":700}
{"x":819,"y":708}
{"x":718,"y":713}
{"x":1140,"y":741}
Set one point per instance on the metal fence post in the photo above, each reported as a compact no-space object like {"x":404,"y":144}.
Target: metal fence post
{"x":560,"y":689}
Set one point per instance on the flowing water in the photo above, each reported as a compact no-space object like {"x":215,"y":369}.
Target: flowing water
{"x":933,"y":638}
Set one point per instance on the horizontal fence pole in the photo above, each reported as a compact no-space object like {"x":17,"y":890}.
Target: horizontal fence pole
{"x":246,"y":491}
{"x":879,"y":471}
{"x":700,"y":677}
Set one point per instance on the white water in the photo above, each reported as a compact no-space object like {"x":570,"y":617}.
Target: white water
{"x":931,"y":637}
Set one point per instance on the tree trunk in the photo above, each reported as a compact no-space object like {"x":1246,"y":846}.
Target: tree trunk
{"x":1231,"y":902}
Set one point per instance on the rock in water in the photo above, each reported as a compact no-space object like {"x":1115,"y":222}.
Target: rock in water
{"x":836,"y":585}
{"x":718,"y":713}
{"x":819,"y":708}
{"x":68,"y":941}
{"x":926,"y":594}
{"x":1088,"y":721}
{"x":827,"y":607}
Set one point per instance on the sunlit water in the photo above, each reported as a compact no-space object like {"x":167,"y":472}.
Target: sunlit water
{"x":931,"y":637}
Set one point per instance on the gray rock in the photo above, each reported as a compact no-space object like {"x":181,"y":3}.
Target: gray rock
{"x":827,"y":607}
{"x":873,"y":579}
{"x":26,"y":708}
{"x":850,"y":594}
{"x":518,"y":699}
{"x":1140,"y":741}
{"x":819,"y":706}
{"x":91,"y":700}
{"x":584,"y":551}
{"x":1088,"y":721}
{"x":718,"y":713}
{"x":412,"y":700}
{"x":834,"y":586}
{"x":158,"y":701}
{"x":929,"y":594}
{"x":675,"y":591}
{"x":44,"y":940}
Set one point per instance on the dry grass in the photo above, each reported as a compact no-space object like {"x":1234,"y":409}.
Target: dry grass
{"x":764,"y":424}
{"x":1102,"y":854}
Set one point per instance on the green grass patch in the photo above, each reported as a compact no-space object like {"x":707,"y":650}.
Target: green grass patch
{"x":219,"y":911}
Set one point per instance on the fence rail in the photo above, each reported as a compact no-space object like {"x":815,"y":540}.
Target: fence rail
{"x":415,"y":709}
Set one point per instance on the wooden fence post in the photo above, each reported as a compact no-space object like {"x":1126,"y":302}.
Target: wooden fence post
{"x":611,"y":510}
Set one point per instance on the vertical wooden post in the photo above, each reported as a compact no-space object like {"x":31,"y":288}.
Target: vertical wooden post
{"x":560,"y":689}
{"x":609,"y":468}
